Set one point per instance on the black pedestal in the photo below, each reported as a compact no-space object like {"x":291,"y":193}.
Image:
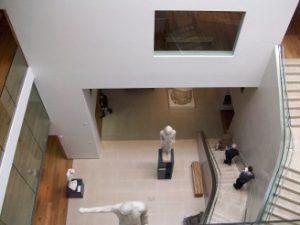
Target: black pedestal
{"x":165,"y":169}
{"x":78,"y":193}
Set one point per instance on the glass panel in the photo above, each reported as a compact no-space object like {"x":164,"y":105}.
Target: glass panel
{"x":16,"y":76}
{"x":10,"y":94}
{"x":28,"y":157}
{"x":5,"y":124}
{"x":287,"y":146}
{"x":1,"y":154}
{"x":7,"y":102}
{"x":37,"y":118}
{"x":196,"y":30}
{"x":19,"y":201}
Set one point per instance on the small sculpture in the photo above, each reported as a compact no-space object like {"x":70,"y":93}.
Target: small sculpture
{"x":72,"y":184}
{"x":167,"y":137}
{"x":129,"y":213}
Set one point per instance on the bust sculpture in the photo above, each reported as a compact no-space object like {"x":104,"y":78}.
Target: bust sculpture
{"x":167,"y":138}
{"x":72,"y":184}
{"x":129,"y":213}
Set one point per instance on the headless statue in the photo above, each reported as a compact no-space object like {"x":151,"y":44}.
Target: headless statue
{"x":72,"y":184}
{"x":167,"y":138}
{"x":129,"y":213}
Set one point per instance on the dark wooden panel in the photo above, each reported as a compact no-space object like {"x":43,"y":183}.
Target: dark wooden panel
{"x":51,"y":206}
{"x":291,"y":41}
{"x":8,"y":47}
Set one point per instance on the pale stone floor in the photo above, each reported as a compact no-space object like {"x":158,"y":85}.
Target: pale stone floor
{"x":127,"y":171}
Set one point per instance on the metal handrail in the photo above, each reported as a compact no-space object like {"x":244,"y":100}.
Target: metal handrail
{"x":215,"y":171}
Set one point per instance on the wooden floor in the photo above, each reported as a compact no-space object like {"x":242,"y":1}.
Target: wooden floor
{"x":8,"y":47}
{"x":51,"y":208}
{"x":291,"y":41}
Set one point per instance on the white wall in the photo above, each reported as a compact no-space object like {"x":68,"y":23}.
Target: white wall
{"x":72,"y":45}
{"x":257,"y":130}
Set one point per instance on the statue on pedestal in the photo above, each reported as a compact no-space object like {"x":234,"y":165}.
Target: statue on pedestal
{"x":129,"y":213}
{"x":167,"y":137}
{"x":72,"y":184}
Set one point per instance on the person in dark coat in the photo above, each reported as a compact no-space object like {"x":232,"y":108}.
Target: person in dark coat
{"x":245,"y":176}
{"x":230,"y":153}
{"x":104,"y":105}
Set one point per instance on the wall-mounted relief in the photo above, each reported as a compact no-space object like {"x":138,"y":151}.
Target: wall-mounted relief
{"x":181,"y":98}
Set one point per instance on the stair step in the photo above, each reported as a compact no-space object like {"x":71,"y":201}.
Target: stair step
{"x":292,"y":70}
{"x":293,"y":180}
{"x":290,"y":191}
{"x":284,"y":214}
{"x":293,"y":169}
{"x":278,"y":216}
{"x":295,"y":113}
{"x":292,"y":62}
{"x":290,"y":185}
{"x":295,"y":122}
{"x":276,"y":219}
{"x":289,"y":206}
{"x":294,"y":105}
{"x":219,"y":218}
{"x":288,"y":199}
{"x":293,"y":96}
{"x":293,"y":87}
{"x":292,"y":79}
{"x":293,"y":172}
{"x":287,"y":193}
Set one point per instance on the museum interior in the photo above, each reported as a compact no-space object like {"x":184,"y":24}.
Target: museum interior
{"x":179,"y":178}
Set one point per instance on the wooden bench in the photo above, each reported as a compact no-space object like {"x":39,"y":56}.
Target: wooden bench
{"x":197,"y":179}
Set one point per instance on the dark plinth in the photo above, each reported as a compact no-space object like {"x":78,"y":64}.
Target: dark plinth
{"x":78,"y":193}
{"x":193,"y":220}
{"x":165,"y":169}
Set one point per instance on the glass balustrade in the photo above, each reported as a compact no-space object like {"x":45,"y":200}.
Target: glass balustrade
{"x":24,"y":177}
{"x":10,"y":95}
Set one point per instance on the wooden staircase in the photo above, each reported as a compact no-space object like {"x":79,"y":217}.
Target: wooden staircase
{"x":287,"y":199}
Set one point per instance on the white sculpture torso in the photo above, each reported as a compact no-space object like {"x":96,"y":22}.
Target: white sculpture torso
{"x":129,"y":213}
{"x":72,"y":184}
{"x":167,"y":137}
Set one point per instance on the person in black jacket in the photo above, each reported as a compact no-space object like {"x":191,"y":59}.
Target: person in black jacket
{"x":103,"y":101}
{"x":230,"y":153}
{"x":245,"y":176}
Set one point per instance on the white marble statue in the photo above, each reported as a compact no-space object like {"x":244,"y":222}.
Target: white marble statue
{"x":167,"y":137}
{"x":129,"y":213}
{"x":72,"y":184}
